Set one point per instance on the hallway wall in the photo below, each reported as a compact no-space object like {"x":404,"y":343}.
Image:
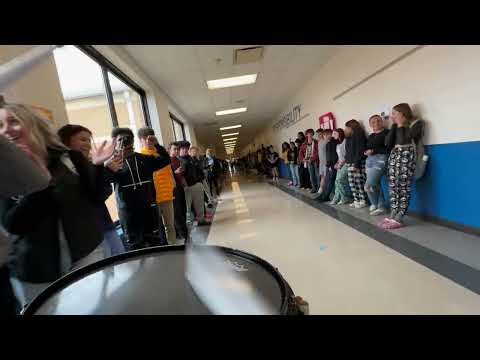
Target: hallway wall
{"x":441,"y":83}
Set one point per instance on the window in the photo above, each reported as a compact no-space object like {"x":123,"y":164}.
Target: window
{"x":99,"y":96}
{"x":178,"y":128}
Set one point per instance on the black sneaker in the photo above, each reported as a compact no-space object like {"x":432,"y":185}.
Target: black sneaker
{"x":203,"y":223}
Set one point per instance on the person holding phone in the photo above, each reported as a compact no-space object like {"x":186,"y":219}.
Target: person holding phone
{"x":132,"y":176}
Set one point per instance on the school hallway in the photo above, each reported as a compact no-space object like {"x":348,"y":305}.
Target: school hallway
{"x":334,"y":266}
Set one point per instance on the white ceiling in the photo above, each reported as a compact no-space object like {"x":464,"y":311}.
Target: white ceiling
{"x":182,"y":71}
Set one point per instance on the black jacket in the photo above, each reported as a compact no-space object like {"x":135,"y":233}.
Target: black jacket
{"x":331,"y":153}
{"x":33,"y":220}
{"x":404,"y":135}
{"x":355,"y":146}
{"x":213,"y":170}
{"x":292,"y":155}
{"x":192,"y":170}
{"x":376,"y":142}
{"x":134,"y":185}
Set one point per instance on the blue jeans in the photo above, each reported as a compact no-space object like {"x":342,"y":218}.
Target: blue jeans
{"x":112,"y":243}
{"x":313,"y":171}
{"x":376,"y":167}
{"x":295,"y":174}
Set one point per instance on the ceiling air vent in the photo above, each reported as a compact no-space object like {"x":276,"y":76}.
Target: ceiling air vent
{"x":248,"y":55}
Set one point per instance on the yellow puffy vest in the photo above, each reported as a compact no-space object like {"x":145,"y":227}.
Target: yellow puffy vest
{"x":163,"y":179}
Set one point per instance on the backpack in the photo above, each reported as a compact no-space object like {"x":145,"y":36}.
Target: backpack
{"x":422,"y":158}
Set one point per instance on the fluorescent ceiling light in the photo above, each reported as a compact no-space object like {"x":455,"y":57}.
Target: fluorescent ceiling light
{"x":231,"y":127}
{"x":230,"y":143}
{"x":231,"y":111}
{"x":232,"y":81}
{"x":231,"y":134}
{"x":230,"y":146}
{"x":230,"y":139}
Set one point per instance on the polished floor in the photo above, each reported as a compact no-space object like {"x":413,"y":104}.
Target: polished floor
{"x":337,"y":269}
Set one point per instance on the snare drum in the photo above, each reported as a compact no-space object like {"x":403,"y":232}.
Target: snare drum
{"x":152,"y":282}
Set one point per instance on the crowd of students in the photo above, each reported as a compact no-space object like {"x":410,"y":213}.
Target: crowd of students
{"x":53,"y":217}
{"x":345,"y":166}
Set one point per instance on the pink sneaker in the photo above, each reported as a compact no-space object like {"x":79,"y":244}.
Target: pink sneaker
{"x":383,"y":223}
{"x":393,"y":224}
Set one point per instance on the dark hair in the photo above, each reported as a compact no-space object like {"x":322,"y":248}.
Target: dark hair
{"x":292,"y":142}
{"x":173,"y":143}
{"x":121,"y":131}
{"x":374,"y":116}
{"x":183,"y":144}
{"x":405,"y":110}
{"x":327,"y":132}
{"x":319,"y":130}
{"x":341,"y":135}
{"x":302,"y":134}
{"x":68,"y":131}
{"x":298,"y":141}
{"x":354,"y":125}
{"x":285,"y":146}
{"x":310,"y":131}
{"x":144,"y":132}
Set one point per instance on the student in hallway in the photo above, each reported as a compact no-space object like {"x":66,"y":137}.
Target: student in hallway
{"x":322,"y":159}
{"x":164,"y":184}
{"x":309,"y":159}
{"x":292,"y":156}
{"x":355,"y":147}
{"x":284,"y":156}
{"x":403,"y":139}
{"x":54,"y":230}
{"x":331,"y":158}
{"x":79,"y":138}
{"x":376,"y":164}
{"x":26,"y":174}
{"x":179,"y":202}
{"x":194,"y":189}
{"x":273,"y":159}
{"x":132,"y":175}
{"x":342,"y":188}
{"x":212,"y":165}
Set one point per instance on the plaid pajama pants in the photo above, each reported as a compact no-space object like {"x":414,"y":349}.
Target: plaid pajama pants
{"x":356,"y":180}
{"x":401,"y":168}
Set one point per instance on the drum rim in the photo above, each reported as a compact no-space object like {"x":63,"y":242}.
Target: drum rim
{"x":70,"y":278}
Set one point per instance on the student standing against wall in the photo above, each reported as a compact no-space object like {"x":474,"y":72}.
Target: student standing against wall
{"x":309,"y":158}
{"x":54,"y":230}
{"x":331,"y":157}
{"x":164,"y":183}
{"x":403,"y":138}
{"x":292,"y":156}
{"x":343,"y":194}
{"x":376,"y":164}
{"x":79,"y":138}
{"x":179,"y":202}
{"x":26,"y":174}
{"x":194,"y":189}
{"x":322,"y":159}
{"x":355,"y":145}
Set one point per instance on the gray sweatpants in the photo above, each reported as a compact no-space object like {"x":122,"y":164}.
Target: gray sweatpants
{"x":194,"y":194}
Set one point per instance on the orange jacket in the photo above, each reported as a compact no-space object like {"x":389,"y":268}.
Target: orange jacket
{"x":163,"y":179}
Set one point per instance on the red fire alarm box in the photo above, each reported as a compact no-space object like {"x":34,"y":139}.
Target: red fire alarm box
{"x":327,"y":121}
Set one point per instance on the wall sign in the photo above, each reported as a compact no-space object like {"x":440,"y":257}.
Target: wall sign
{"x":327,"y":121}
{"x":289,"y":118}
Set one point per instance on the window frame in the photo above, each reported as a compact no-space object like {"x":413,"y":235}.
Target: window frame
{"x":107,"y":66}
{"x":182,"y":126}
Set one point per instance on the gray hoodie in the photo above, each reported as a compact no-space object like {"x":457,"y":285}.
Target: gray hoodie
{"x":19,"y":176}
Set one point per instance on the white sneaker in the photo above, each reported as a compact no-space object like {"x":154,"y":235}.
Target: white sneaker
{"x":360,"y":205}
{"x":334,"y":202}
{"x":377,"y":212}
{"x":372,"y":208}
{"x":353,"y":204}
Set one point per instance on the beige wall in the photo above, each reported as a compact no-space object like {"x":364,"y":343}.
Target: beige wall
{"x":40,"y":86}
{"x":441,"y":82}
